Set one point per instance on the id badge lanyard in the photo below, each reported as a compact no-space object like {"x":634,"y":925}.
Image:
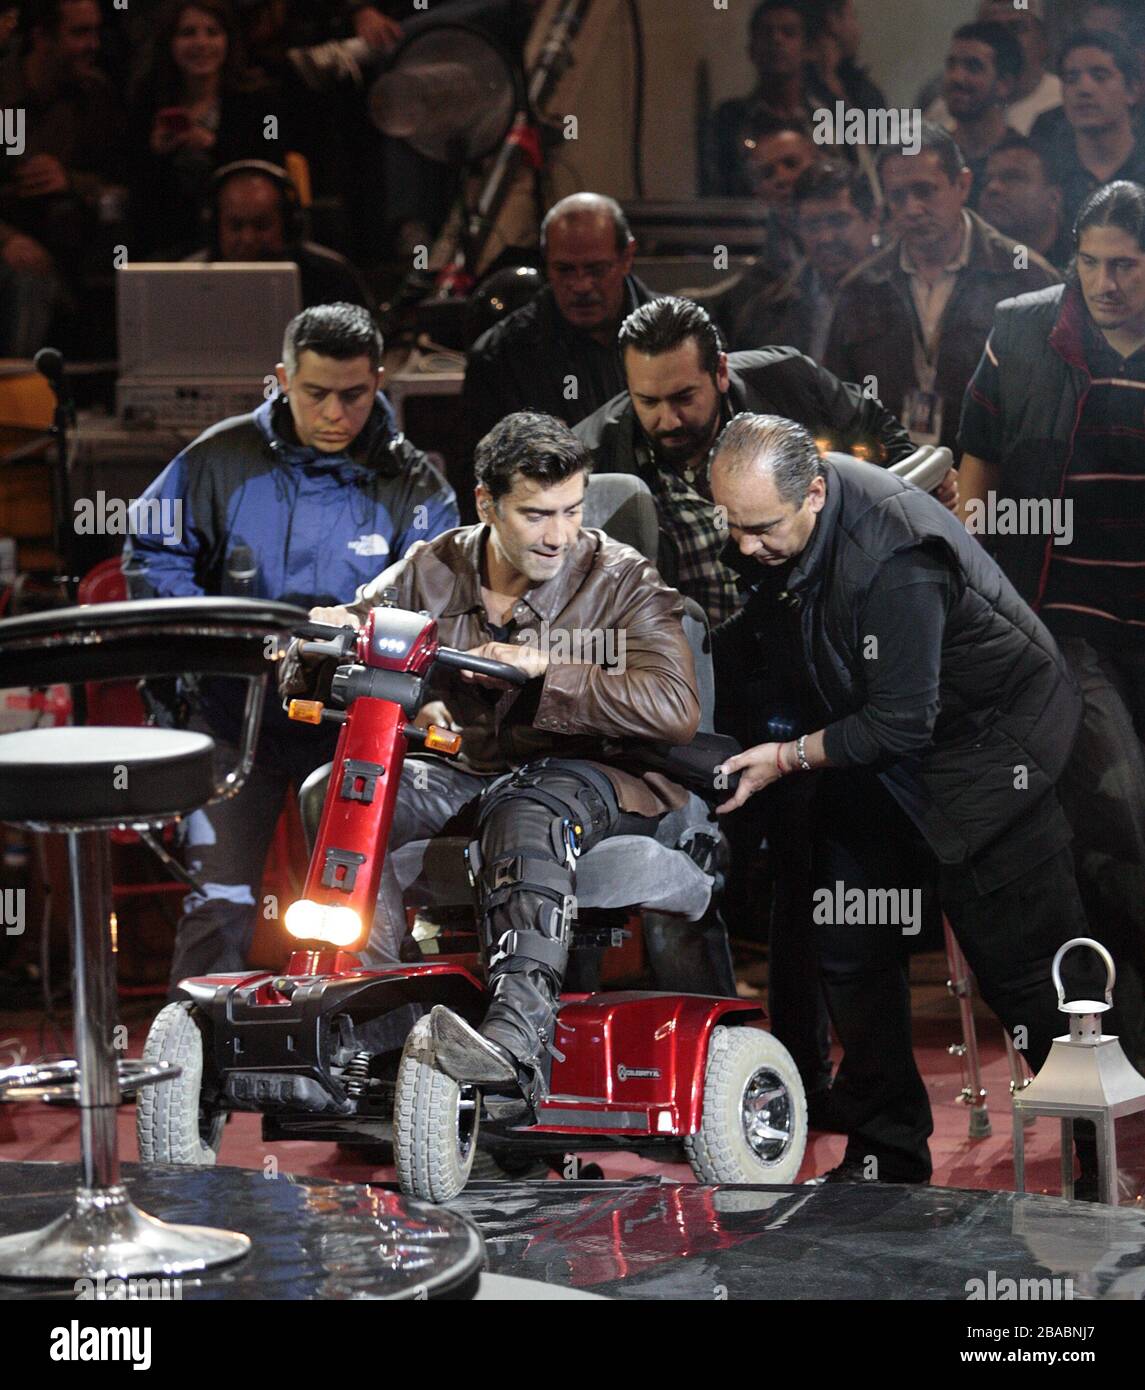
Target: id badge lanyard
{"x":922,"y":406}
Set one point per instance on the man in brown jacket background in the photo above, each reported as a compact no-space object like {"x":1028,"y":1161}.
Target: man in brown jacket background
{"x":600,"y":637}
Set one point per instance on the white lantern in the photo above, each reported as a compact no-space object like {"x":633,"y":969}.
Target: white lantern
{"x":1085,"y":1077}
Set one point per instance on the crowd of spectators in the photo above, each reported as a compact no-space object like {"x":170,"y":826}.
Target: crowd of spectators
{"x":130,"y":111}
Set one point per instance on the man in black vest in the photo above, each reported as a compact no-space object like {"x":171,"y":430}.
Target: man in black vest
{"x":945,"y":714}
{"x":682,"y":388}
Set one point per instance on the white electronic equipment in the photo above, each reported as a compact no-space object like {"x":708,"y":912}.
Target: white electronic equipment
{"x":197,"y":342}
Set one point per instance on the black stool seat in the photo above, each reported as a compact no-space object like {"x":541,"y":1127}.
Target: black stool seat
{"x":100,"y":775}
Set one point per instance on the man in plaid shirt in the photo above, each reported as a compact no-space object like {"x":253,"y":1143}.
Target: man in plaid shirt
{"x":682,"y":390}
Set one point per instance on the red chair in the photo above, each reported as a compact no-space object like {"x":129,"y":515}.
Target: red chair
{"x":110,"y":702}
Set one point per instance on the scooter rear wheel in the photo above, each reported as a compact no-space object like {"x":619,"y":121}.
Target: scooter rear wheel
{"x":435,"y":1123}
{"x":754,"y":1123}
{"x":171,"y":1122}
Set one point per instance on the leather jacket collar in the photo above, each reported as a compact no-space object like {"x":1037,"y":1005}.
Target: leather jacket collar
{"x":465,"y":563}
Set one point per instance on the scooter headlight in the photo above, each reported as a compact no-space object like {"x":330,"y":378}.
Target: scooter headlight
{"x":309,"y":921}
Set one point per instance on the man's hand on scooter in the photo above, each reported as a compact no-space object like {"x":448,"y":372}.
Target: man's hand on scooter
{"x":335,"y":617}
{"x":437,"y":713}
{"x":527,"y":657}
{"x":758,"y":768}
{"x":947,"y":491}
{"x":295,"y":676}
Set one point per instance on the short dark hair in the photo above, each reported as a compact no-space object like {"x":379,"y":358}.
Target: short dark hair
{"x":1120,"y":204}
{"x":1111,"y":44}
{"x":932,"y":139}
{"x":341,"y":331}
{"x":1014,"y":141}
{"x":811,"y":12}
{"x":665,"y":324}
{"x":797,"y":461}
{"x":830,"y":177}
{"x":1007,"y":50}
{"x":532,"y":445}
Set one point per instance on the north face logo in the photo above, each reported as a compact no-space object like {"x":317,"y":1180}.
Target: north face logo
{"x":370,"y":545}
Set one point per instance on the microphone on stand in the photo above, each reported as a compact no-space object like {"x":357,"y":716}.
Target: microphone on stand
{"x":49,"y":362}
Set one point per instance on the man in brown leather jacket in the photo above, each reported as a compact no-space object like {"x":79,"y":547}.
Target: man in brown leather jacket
{"x":600,"y":636}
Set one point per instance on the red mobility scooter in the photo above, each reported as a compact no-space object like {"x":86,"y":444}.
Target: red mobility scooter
{"x":640,"y":1070}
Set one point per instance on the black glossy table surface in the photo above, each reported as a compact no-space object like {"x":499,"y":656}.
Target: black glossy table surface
{"x":838,"y":1241}
{"x":310,"y":1238}
{"x":314,"y":1239}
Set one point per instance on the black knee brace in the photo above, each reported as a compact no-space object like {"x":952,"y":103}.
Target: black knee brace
{"x":532,"y":826}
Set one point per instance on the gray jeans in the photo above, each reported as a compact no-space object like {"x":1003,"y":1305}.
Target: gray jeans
{"x":1103,"y":793}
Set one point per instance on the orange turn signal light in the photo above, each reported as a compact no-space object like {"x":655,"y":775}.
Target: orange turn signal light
{"x":442,"y":741}
{"x":306,"y":711}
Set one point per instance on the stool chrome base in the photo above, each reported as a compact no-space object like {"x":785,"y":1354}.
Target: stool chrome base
{"x":104,"y":1233}
{"x":60,"y":1081}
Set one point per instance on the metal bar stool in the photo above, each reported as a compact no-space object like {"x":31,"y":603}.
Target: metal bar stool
{"x":960,"y":984}
{"x":84,"y":782}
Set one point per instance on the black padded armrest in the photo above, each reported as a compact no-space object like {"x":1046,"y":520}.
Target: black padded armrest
{"x":152,"y":637}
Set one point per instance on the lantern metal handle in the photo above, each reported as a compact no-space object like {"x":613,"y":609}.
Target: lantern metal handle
{"x":1110,"y":968}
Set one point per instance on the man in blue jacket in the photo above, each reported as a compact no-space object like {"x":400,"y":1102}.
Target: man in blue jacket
{"x":303,"y":500}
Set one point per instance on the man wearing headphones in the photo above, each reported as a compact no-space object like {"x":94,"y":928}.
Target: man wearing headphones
{"x":254,"y":214}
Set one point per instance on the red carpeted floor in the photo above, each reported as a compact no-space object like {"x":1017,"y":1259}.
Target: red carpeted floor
{"x":52,"y":1132}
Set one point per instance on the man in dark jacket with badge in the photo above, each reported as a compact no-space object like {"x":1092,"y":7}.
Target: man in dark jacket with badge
{"x":301,"y":501}
{"x":943,"y":715}
{"x":914,"y":318}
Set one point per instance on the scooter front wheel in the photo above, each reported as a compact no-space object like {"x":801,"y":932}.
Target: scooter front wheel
{"x":172,"y":1123}
{"x":435,"y":1123}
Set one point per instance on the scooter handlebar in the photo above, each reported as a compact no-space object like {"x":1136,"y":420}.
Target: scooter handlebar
{"x":481,"y":666}
{"x":324,"y":640}
{"x":319,"y":651}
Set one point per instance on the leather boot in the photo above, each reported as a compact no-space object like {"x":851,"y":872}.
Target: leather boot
{"x":511,"y":1049}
